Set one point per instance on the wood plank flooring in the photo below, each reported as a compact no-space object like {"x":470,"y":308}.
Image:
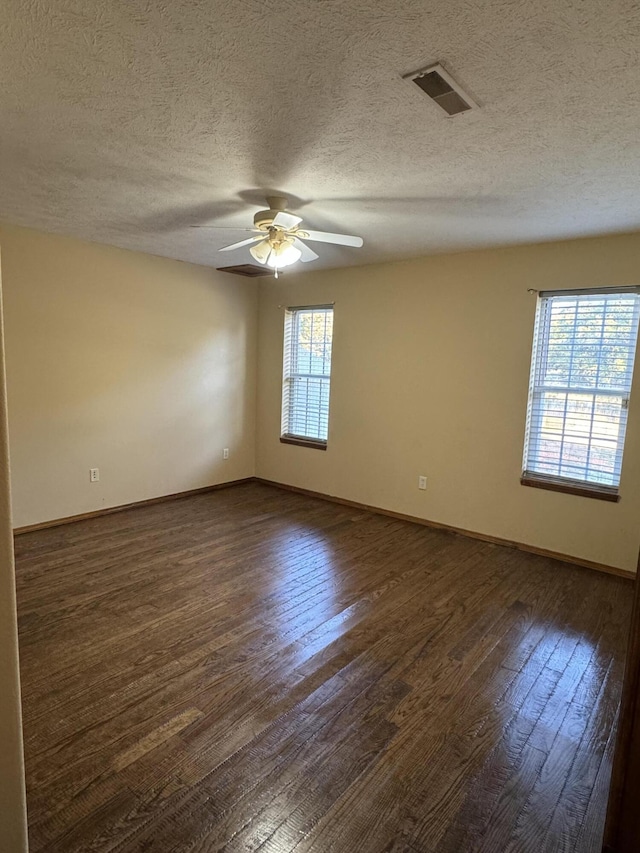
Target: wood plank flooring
{"x":256,"y":670}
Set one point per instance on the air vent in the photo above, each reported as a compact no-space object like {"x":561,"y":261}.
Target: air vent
{"x":250,"y":270}
{"x":442,"y":89}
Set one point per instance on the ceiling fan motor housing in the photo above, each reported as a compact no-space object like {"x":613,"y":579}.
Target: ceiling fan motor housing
{"x":264,"y":218}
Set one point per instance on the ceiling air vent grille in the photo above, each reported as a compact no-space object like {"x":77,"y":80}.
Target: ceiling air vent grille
{"x":442,"y":89}
{"x":250,"y":270}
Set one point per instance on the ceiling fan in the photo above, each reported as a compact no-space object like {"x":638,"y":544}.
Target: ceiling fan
{"x":280,"y":241}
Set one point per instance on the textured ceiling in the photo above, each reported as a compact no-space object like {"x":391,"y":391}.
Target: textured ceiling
{"x":126,"y":121}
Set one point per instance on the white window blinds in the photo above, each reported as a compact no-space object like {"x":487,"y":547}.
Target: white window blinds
{"x":308,"y":335}
{"x":581,"y":372}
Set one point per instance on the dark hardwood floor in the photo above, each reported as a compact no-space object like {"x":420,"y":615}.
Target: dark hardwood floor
{"x":255,"y":670}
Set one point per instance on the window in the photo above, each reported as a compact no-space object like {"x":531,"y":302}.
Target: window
{"x":583,"y":352}
{"x":308,"y":334}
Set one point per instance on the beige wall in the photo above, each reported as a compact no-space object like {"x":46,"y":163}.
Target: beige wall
{"x":145,"y":368}
{"x":139,"y":366}
{"x":430,"y":376}
{"x":13,"y":823}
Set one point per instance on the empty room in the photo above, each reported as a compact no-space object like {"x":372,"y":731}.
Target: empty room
{"x":319,"y":427}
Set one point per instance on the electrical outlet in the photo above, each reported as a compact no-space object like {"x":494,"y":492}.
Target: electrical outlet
{"x":225,"y":453}
{"x":94,"y":475}
{"x":422,"y":482}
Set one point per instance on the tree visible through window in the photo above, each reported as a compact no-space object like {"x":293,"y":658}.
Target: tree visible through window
{"x":581,"y":374}
{"x":307,"y":373}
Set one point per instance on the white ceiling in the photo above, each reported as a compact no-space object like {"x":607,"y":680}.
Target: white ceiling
{"x":126,"y":121}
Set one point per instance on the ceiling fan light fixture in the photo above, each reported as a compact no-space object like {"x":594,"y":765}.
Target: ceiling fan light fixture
{"x":283,"y":256}
{"x":261,"y":251}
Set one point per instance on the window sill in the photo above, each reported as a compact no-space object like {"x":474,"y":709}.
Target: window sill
{"x":583,"y":490}
{"x":314,"y":443}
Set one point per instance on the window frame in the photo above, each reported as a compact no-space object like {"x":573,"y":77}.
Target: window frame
{"x":552,"y":482}
{"x":287,"y":437}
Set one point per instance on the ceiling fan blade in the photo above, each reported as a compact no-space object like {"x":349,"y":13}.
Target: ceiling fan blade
{"x":286,"y":220}
{"x":327,"y":237}
{"x":307,"y":253}
{"x":241,"y":243}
